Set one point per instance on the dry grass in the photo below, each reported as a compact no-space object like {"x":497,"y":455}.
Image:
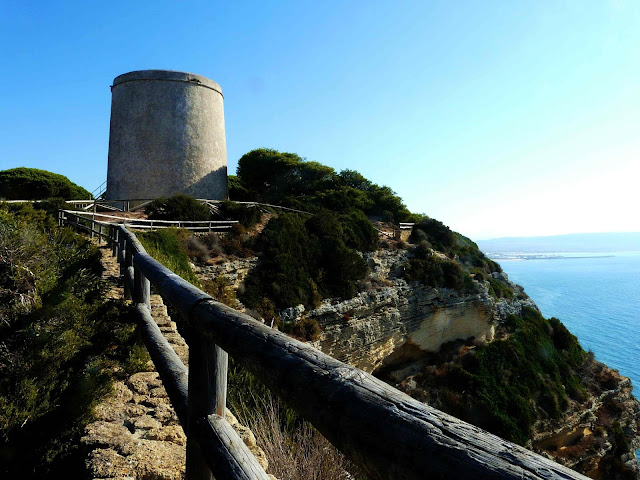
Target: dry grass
{"x":298,"y":451}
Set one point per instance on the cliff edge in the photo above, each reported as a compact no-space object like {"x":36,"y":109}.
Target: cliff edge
{"x":452,"y":349}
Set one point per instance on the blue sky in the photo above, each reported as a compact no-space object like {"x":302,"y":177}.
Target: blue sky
{"x":498,"y":118}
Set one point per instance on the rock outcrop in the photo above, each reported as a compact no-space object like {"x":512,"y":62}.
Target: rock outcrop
{"x":395,"y":322}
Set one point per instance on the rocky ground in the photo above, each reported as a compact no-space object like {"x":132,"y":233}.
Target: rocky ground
{"x":136,"y":434}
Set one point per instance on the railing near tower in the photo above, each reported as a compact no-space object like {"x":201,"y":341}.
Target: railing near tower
{"x":389,"y":434}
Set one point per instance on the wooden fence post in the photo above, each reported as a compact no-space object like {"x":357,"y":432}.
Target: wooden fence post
{"x":114,"y":241}
{"x":141,"y":288}
{"x":121,"y":249}
{"x":208,"y":366}
{"x":128,"y":262}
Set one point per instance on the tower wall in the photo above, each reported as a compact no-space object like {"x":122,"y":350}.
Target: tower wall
{"x":166,"y":137}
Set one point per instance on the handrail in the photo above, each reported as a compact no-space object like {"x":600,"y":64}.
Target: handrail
{"x":145,"y":221}
{"x":389,"y":434}
{"x":74,"y":217}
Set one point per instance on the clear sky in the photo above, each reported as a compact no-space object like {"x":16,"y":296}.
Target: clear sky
{"x":499,"y":118}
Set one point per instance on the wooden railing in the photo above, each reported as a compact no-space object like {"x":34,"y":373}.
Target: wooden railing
{"x":87,"y":221}
{"x":389,"y":434}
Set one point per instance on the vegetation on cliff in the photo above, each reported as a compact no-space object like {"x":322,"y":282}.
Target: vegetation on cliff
{"x":508,"y":384}
{"x":61,"y":343}
{"x":306,"y":260}
{"x":535,"y":372}
{"x":529,"y":381}
{"x":177,"y":207}
{"x":286,"y":179}
{"x":34,"y":184}
{"x":168,"y":247}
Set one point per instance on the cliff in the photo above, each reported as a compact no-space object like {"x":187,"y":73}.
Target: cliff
{"x":421,"y":339}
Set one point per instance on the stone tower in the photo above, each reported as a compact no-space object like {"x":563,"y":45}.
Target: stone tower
{"x":166,"y":137}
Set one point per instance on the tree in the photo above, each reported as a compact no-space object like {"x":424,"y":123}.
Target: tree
{"x":33,"y":184}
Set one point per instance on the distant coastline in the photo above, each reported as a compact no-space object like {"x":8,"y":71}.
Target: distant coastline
{"x":561,"y":246}
{"x":513,"y":256}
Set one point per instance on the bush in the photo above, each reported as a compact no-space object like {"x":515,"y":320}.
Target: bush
{"x":178,"y":207}
{"x":166,"y":246}
{"x":498,"y":382}
{"x":307,"y":329}
{"x":433,"y":271}
{"x":62,"y":346}
{"x":220,"y":289}
{"x":237,"y":190}
{"x":437,"y":233}
{"x":285,"y":178}
{"x":499,"y":289}
{"x":247,"y":215}
{"x":33,"y":184}
{"x":237,"y":242}
{"x":304,"y":261}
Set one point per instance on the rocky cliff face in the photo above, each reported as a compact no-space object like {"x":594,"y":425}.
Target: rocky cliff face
{"x":394,"y":323}
{"x":395,"y":329}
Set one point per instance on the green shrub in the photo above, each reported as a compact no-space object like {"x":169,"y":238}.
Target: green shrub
{"x":220,"y":289}
{"x":166,"y":246}
{"x":247,"y":215}
{"x":238,"y":192}
{"x":499,"y":289}
{"x":500,"y":382}
{"x":287,"y":179}
{"x":33,"y":184}
{"x":178,"y":207}
{"x":430,"y":270}
{"x":304,"y":261}
{"x":237,"y":242}
{"x":307,"y":329}
{"x":62,"y":346}
{"x":437,"y":233}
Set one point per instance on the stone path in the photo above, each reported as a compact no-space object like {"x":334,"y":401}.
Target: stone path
{"x":136,"y":434}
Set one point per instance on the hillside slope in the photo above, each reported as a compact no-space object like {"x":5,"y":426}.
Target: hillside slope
{"x":433,"y":316}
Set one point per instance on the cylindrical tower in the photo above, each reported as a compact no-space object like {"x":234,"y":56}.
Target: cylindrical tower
{"x":166,"y":137}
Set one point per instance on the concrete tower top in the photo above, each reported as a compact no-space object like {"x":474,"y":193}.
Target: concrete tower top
{"x":167,"y":76}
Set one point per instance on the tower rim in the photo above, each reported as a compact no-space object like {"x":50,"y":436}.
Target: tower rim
{"x":166,"y":76}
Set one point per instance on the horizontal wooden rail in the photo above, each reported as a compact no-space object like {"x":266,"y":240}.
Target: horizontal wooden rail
{"x":389,"y":434}
{"x":203,"y":225}
{"x":159,"y":222}
{"x":86,"y":221}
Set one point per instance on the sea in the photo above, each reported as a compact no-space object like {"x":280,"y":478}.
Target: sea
{"x":597,"y":296}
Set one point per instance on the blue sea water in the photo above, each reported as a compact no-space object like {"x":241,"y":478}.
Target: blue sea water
{"x":597,"y":297}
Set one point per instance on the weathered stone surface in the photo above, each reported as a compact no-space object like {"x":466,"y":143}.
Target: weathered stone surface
{"x":234,"y":270}
{"x":171,"y":433}
{"x":107,"y":463}
{"x":394,"y":322}
{"x":146,"y":422}
{"x":370,"y":329}
{"x":141,"y":382}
